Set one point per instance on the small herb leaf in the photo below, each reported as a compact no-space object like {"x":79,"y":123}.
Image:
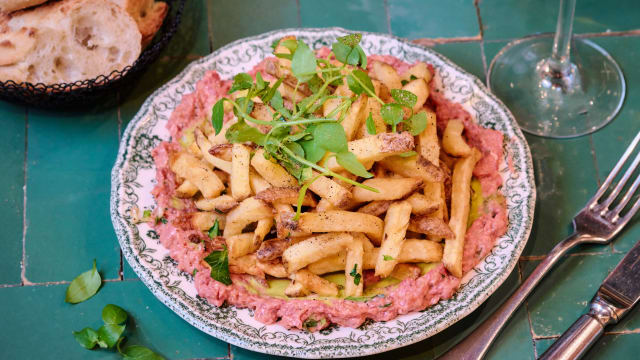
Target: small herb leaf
{"x":371,"y":126}
{"x":349,"y":161}
{"x":217,"y":115}
{"x":113,"y":314}
{"x":355,"y":275}
{"x":303,"y":63}
{"x":351,"y":40}
{"x":404,"y":97}
{"x":110,"y":334}
{"x":215,"y":229}
{"x":240,"y":132}
{"x":84,"y":286}
{"x":219,"y":263}
{"x":139,"y":352}
{"x":392,"y":114}
{"x":86,"y":337}
{"x":417,"y":123}
{"x":359,"y":81}
{"x":387,"y":257}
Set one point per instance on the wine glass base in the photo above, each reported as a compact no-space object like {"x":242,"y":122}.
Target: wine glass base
{"x":579,"y":101}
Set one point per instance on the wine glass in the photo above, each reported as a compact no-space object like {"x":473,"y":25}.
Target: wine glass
{"x":555,"y":85}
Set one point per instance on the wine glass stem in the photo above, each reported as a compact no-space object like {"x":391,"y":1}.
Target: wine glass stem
{"x":560,"y":61}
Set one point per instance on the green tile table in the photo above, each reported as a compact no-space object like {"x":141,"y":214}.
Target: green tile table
{"x":54,"y":188}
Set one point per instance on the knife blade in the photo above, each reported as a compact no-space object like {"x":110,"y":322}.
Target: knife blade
{"x":617,"y":295}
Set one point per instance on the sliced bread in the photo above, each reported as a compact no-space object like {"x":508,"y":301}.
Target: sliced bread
{"x":74,"y":40}
{"x":148,"y":14}
{"x":8,"y":6}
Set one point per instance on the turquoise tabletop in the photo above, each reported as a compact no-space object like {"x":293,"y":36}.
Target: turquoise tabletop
{"x":55,"y":183}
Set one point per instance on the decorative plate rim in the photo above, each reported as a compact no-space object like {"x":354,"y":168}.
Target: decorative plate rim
{"x":244,"y":341}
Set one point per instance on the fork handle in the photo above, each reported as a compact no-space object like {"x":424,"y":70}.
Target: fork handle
{"x":476,"y":344}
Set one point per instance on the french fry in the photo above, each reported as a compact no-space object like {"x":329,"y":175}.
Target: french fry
{"x":245,"y":265}
{"x":432,"y":226}
{"x":332,"y":191}
{"x":315,"y":283}
{"x":271,"y":249}
{"x":413,"y":251}
{"x":395,"y":227}
{"x":427,"y":141}
{"x":376,"y":208}
{"x":452,"y":141}
{"x":423,"y":205}
{"x":339,"y":220}
{"x":418,"y":70}
{"x":240,"y":245}
{"x":257,"y":182}
{"x":301,"y":254}
{"x":420,"y":89}
{"x":262,"y":229}
{"x":414,"y":166}
{"x":353,"y":269}
{"x":274,"y":268}
{"x":355,"y":117}
{"x":223,"y":151}
{"x":460,"y":195}
{"x":375,"y":148}
{"x":204,"y":220}
{"x":204,"y":145}
{"x":386,"y":74}
{"x":296,"y":289}
{"x":192,"y":169}
{"x":220,"y":138}
{"x":325,"y":205}
{"x":373,"y":109}
{"x":186,"y":190}
{"x":222,"y":203}
{"x":286,"y":195}
{"x":240,"y":186}
{"x":275,"y":174}
{"x":248,"y":211}
{"x":389,"y":189}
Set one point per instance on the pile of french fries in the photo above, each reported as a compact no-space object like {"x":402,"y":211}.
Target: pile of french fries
{"x":419,"y":214}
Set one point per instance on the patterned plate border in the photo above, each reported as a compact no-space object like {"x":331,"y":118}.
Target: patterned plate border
{"x":133,"y":176}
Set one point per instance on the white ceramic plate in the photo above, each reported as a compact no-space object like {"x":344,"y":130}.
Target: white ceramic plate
{"x":133,"y":178}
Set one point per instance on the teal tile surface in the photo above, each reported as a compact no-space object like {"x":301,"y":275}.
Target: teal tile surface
{"x":233,"y":20}
{"x":363,"y":15}
{"x":564,"y":295}
{"x":467,"y":55}
{"x":70,"y":155}
{"x":191,"y":37}
{"x":12,"y":138}
{"x":433,"y":19}
{"x":46,"y":322}
{"x":508,"y":19}
{"x":613,"y":346}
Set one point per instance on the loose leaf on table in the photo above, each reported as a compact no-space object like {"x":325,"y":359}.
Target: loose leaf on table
{"x":404,"y":97}
{"x":84,"y":286}
{"x":371,"y":126}
{"x":360,"y":82}
{"x":113,"y":314}
{"x":416,"y":123}
{"x":349,"y":161}
{"x":110,"y":334}
{"x":219,"y":263}
{"x":303,"y":63}
{"x":137,"y":352}
{"x":392,"y":114}
{"x":86,"y":337}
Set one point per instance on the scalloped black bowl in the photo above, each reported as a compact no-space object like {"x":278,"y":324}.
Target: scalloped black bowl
{"x":84,"y":92}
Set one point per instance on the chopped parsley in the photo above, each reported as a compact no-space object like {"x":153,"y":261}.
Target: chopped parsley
{"x":219,"y":263}
{"x":215,"y":230}
{"x":355,"y":275}
{"x":387,"y":258}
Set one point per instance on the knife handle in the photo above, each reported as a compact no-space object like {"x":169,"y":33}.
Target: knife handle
{"x":575,"y":342}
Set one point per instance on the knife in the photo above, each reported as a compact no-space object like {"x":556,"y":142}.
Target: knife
{"x":618,"y":293}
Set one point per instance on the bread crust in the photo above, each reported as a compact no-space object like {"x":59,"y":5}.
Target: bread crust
{"x":9,"y":6}
{"x":148,"y":15}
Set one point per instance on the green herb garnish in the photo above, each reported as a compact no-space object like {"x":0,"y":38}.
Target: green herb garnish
{"x":385,"y":305}
{"x":215,"y":230}
{"x":84,"y":286}
{"x":408,"y":154}
{"x":146,"y":214}
{"x":355,"y":275}
{"x":387,"y":258}
{"x":371,"y":126}
{"x":219,"y":263}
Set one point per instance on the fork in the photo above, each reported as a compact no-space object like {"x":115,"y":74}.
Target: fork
{"x":597,"y":223}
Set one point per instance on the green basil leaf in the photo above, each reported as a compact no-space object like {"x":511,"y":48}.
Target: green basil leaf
{"x":84,"y":286}
{"x":113,"y":314}
{"x":392,"y":114}
{"x":110,"y":334}
{"x":86,"y":337}
{"x":303,"y":64}
{"x":417,"y":123}
{"x":240,"y":132}
{"x":217,"y":115}
{"x":215,"y":230}
{"x":371,"y":126}
{"x":349,"y":161}
{"x":242,"y":81}
{"x":219,"y":263}
{"x":351,"y":40}
{"x":404,"y":97}
{"x":139,"y":352}
{"x":341,"y":51}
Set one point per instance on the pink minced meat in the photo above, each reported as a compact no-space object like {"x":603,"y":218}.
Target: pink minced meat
{"x":412,"y":294}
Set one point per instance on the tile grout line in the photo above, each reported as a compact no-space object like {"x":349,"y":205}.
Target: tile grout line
{"x":387,"y":14}
{"x":298,"y":13}
{"x":23,"y":263}
{"x":528,"y":313}
{"x":476,"y":4}
{"x":119,"y":115}
{"x":626,"y":33}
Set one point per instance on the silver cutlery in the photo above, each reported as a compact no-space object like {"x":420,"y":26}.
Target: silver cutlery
{"x":617,"y":295}
{"x":598,"y":222}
